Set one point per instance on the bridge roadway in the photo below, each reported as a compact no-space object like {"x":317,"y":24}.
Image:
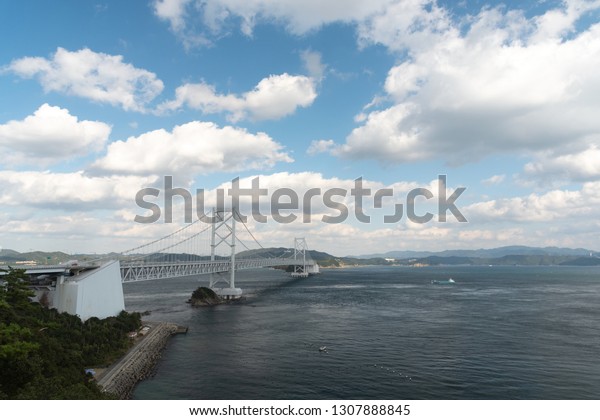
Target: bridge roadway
{"x":142,"y":271}
{"x":56,"y":269}
{"x":132,"y":271}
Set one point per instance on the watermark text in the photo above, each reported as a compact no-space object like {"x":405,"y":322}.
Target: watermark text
{"x":285,"y":205}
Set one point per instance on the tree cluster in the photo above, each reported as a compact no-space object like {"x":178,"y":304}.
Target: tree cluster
{"x":44,"y":353}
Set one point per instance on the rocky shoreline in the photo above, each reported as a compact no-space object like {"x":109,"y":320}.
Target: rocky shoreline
{"x":139,"y":362}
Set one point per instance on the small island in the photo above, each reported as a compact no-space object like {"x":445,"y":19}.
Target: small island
{"x":203,"y":296}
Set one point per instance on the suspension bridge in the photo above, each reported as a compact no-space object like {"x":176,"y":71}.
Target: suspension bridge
{"x":95,"y":288}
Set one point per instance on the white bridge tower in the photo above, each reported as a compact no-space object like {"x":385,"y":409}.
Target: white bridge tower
{"x":223,"y":232}
{"x":300,"y":256}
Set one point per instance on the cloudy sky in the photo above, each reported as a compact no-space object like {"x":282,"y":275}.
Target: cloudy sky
{"x":103,"y":98}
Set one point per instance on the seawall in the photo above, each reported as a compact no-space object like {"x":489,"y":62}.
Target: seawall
{"x":138,"y":363}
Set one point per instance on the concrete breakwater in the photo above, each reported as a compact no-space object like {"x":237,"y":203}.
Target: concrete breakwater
{"x":138,"y":363}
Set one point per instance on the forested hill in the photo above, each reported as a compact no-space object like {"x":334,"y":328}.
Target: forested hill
{"x":322,"y":258}
{"x":43,"y":353}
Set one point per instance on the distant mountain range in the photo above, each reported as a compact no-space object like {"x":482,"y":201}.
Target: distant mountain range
{"x":486,"y":253}
{"x":9,"y":256}
{"x":508,"y":255}
{"x":506,"y":260}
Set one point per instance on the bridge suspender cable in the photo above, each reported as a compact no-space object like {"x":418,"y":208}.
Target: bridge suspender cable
{"x":160,"y":239}
{"x":176,"y":243}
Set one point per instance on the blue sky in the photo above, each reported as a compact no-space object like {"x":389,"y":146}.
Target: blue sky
{"x":101,"y":99}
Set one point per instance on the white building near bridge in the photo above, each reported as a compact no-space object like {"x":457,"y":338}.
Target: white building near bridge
{"x":97,"y":292}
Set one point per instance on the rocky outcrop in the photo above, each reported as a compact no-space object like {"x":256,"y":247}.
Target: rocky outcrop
{"x":203,"y":296}
{"x":138,"y":363}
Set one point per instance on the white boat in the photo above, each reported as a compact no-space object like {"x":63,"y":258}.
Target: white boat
{"x":323,"y":348}
{"x":449,"y":281}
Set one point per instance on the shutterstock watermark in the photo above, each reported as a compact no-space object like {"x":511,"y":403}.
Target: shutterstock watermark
{"x":285,"y":205}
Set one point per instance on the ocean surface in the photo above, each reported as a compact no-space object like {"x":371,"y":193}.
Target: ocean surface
{"x":497,"y":333}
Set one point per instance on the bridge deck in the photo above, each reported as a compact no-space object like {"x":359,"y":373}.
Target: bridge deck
{"x":142,"y":271}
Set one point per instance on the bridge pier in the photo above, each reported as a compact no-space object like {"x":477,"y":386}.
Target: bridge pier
{"x":228,"y":292}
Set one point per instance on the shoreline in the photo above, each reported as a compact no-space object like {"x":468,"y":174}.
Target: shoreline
{"x":138,"y":363}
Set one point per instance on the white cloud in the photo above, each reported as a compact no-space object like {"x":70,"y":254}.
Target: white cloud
{"x":192,"y":148}
{"x":172,"y":11}
{"x":176,"y":13}
{"x":72,"y":191}
{"x":51,"y":134}
{"x":494,"y":82}
{"x":313,"y":63}
{"x":299,"y":183}
{"x":405,"y":24}
{"x":558,"y":23}
{"x":273,"y":97}
{"x":65,"y":206}
{"x":91,"y":75}
{"x":81,"y":232}
{"x":298,"y":17}
{"x":579,"y":166}
{"x":386,"y":135}
{"x":497,"y":87}
{"x":494,"y":180}
{"x":320,"y":146}
{"x":549,"y":207}
{"x":280,"y":95}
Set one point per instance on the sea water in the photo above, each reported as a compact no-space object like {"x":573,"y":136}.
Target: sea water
{"x":496,"y":333}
